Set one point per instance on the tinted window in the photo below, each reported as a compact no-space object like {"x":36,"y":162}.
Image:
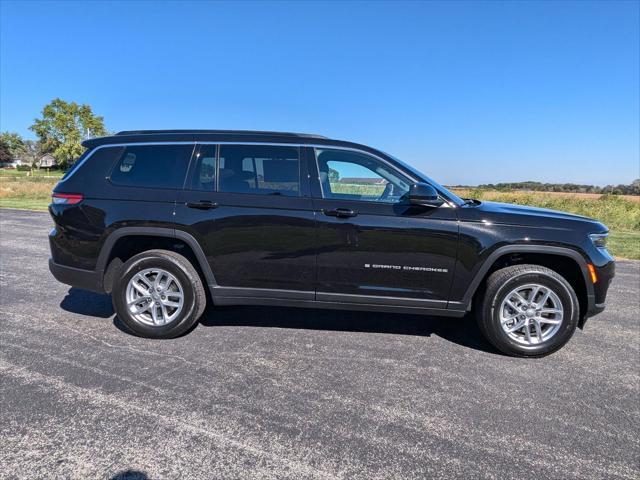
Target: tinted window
{"x":204,"y":170}
{"x":355,"y":176}
{"x":76,"y":164}
{"x":155,"y":166}
{"x":259,"y":169}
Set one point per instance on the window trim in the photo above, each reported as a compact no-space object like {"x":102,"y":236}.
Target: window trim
{"x":301,"y":146}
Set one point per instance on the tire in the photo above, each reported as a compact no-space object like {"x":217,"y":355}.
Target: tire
{"x":179,"y":281}
{"x":543,"y":337}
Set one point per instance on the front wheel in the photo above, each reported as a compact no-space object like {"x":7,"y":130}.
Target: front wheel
{"x":528,"y":311}
{"x":159,"y":294}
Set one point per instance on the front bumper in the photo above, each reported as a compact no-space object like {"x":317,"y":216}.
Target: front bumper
{"x":596,"y":301}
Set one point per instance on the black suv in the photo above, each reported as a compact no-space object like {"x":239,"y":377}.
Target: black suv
{"x":157,"y":218}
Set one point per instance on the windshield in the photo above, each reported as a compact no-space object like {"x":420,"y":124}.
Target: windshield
{"x":452,"y":196}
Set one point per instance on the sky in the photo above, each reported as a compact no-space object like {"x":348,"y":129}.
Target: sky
{"x":468,"y":92}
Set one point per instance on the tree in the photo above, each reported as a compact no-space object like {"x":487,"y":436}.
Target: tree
{"x":62,"y":128}
{"x":334,"y":175}
{"x":5,"y":153}
{"x":32,"y":153}
{"x":13,"y":143}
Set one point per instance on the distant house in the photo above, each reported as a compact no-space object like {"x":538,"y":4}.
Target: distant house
{"x":47,"y":161}
{"x":364,"y":181}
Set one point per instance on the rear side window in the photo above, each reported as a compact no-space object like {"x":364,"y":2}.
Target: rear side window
{"x":260,"y":169}
{"x":152,"y":166}
{"x":204,"y":170}
{"x":76,"y":165}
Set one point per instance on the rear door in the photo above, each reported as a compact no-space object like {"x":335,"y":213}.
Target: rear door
{"x":373,"y":247}
{"x":249,"y":207}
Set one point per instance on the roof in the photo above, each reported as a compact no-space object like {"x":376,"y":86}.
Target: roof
{"x":240,"y":136}
{"x":222,"y":132}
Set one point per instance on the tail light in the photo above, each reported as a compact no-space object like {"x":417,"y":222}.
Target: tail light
{"x":66,"y":198}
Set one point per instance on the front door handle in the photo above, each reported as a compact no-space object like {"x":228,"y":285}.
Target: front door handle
{"x":202,"y":205}
{"x":340,"y":212}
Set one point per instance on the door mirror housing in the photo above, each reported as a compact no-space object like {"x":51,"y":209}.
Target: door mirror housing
{"x":424,"y":195}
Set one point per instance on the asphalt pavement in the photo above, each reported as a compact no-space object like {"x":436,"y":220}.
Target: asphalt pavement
{"x":257,"y":392}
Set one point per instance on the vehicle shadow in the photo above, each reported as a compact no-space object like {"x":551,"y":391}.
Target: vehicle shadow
{"x":87,"y":303}
{"x":130,"y":475}
{"x":461,"y":331}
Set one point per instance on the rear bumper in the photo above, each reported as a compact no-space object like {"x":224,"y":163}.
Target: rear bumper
{"x":77,"y":277}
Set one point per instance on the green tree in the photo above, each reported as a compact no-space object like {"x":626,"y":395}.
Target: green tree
{"x":14,"y":144}
{"x":62,"y":128}
{"x":5,"y":153}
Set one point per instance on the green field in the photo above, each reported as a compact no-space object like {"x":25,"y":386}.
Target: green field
{"x":620,"y":214}
{"x":10,"y":173}
{"x":30,"y":192}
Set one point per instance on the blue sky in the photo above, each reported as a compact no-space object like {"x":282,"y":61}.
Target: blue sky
{"x":469,"y":92}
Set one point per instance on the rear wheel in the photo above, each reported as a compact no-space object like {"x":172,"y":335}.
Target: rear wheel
{"x":159,"y":294}
{"x":528,"y":311}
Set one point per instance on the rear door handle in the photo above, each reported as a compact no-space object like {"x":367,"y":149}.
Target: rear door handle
{"x":340,"y":212}
{"x":202,"y":205}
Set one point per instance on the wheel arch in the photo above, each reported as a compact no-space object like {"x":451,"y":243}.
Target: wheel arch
{"x":109,"y":261}
{"x":558,"y":259}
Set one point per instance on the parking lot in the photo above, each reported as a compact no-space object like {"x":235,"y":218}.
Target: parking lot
{"x":256,"y":392}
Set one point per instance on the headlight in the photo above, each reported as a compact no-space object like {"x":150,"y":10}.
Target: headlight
{"x":599,"y":239}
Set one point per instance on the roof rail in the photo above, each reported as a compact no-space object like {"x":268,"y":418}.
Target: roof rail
{"x":226,"y":132}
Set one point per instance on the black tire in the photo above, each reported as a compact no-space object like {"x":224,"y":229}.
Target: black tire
{"x":503,"y":281}
{"x":182,"y":269}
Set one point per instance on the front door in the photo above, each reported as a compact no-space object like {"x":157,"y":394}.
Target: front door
{"x":251,"y":213}
{"x":373,"y":247}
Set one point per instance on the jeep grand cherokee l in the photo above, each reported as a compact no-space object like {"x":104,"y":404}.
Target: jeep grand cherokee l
{"x":157,"y":218}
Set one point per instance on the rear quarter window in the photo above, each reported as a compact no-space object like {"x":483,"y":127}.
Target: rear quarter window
{"x":152,"y":166}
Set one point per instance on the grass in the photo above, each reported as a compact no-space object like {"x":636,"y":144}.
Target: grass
{"x":11,"y":173}
{"x":27,"y":192}
{"x":621,"y":215}
{"x":625,"y":244}
{"x":24,"y":203}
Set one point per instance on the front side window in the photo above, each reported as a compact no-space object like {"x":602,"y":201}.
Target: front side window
{"x":152,"y":166}
{"x":259,"y":169}
{"x":354,"y":176}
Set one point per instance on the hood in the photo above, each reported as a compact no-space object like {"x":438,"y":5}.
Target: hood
{"x":510,"y":214}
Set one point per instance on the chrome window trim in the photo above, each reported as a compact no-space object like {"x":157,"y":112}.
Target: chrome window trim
{"x":448,"y":202}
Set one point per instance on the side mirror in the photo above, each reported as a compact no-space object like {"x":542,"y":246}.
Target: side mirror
{"x":425,"y":195}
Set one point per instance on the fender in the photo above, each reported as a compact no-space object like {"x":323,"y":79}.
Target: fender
{"x":465,"y":303}
{"x":119,"y":233}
